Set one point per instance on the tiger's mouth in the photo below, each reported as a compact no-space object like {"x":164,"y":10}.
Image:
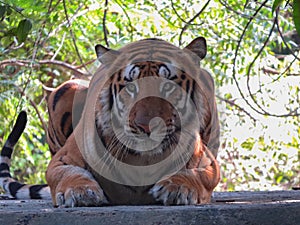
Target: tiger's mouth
{"x":155,"y":139}
{"x":155,"y":128}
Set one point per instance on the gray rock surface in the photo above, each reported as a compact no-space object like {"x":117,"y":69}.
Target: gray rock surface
{"x":274,"y":207}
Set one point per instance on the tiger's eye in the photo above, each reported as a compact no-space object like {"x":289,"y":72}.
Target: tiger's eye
{"x":168,"y":86}
{"x":131,"y":87}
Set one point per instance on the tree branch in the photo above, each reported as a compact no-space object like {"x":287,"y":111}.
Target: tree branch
{"x":29,"y":63}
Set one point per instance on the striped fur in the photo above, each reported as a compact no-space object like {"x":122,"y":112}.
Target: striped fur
{"x":61,"y":106}
{"x":11,"y":186}
{"x":120,"y":89}
{"x":60,"y":126}
{"x":114,"y":88}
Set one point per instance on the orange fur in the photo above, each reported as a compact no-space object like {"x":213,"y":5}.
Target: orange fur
{"x":74,"y":182}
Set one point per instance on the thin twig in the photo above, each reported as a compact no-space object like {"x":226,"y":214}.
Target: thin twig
{"x":39,"y":34}
{"x":59,"y":47}
{"x":104,"y":23}
{"x":291,"y":113}
{"x":87,"y":63}
{"x":14,"y":8}
{"x":73,"y":36}
{"x":282,"y":37}
{"x":190,"y":21}
{"x":128,"y":18}
{"x":22,"y":92}
{"x":231,"y":103}
{"x":177,"y":14}
{"x":250,"y":67}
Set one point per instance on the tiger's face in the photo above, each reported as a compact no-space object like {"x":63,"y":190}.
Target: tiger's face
{"x":151,"y":102}
{"x":148,"y":106}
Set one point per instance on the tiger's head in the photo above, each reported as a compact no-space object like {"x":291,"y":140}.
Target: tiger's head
{"x":150,"y":98}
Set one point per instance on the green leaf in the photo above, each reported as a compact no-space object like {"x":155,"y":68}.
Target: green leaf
{"x":2,"y":10}
{"x":296,"y":15}
{"x":248,"y":144}
{"x":276,"y":5}
{"x":8,"y":10}
{"x":11,"y":32}
{"x":23,"y":29}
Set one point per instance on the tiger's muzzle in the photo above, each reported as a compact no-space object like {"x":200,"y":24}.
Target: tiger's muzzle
{"x":154,"y":117}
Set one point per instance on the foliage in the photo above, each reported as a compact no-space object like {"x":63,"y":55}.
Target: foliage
{"x":253,"y":54}
{"x":296,"y":11}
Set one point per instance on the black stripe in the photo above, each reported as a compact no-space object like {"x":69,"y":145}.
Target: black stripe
{"x":5,"y":174}
{"x":14,"y":187}
{"x":193,"y":92}
{"x":119,"y":75}
{"x":111,"y":98}
{"x":60,"y":92}
{"x":52,"y":141}
{"x":114,"y":89}
{"x":6,"y":151}
{"x":51,"y":137}
{"x":3,"y":166}
{"x":69,"y":131}
{"x":187,"y":90}
{"x":63,"y":121}
{"x":35,"y":189}
{"x":54,"y":133}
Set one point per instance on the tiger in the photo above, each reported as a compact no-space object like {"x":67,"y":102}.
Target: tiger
{"x":143,"y":131}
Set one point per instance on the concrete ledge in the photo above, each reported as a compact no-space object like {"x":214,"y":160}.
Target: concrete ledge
{"x":276,"y":207}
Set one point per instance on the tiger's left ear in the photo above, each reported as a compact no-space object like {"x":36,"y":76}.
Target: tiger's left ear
{"x":106,"y":55}
{"x":198,"y":46}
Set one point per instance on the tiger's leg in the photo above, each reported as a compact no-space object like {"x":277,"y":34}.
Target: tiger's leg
{"x":190,"y":185}
{"x":70,"y":183}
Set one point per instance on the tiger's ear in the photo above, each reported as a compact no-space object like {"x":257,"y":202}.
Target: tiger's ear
{"x":106,"y":55}
{"x":198,"y":46}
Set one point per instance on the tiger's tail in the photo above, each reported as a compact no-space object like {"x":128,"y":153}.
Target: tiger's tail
{"x":11,"y":186}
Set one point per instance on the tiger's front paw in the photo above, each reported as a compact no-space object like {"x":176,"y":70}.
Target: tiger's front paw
{"x":81,"y":195}
{"x":179,"y":192}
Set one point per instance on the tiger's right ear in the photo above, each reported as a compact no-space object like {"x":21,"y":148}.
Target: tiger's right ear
{"x":106,"y":55}
{"x":198,"y":47}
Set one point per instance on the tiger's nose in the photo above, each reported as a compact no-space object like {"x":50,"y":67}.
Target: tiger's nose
{"x":155,"y":126}
{"x":145,"y":128}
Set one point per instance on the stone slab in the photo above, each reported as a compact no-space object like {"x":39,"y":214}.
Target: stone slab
{"x":272,"y":207}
